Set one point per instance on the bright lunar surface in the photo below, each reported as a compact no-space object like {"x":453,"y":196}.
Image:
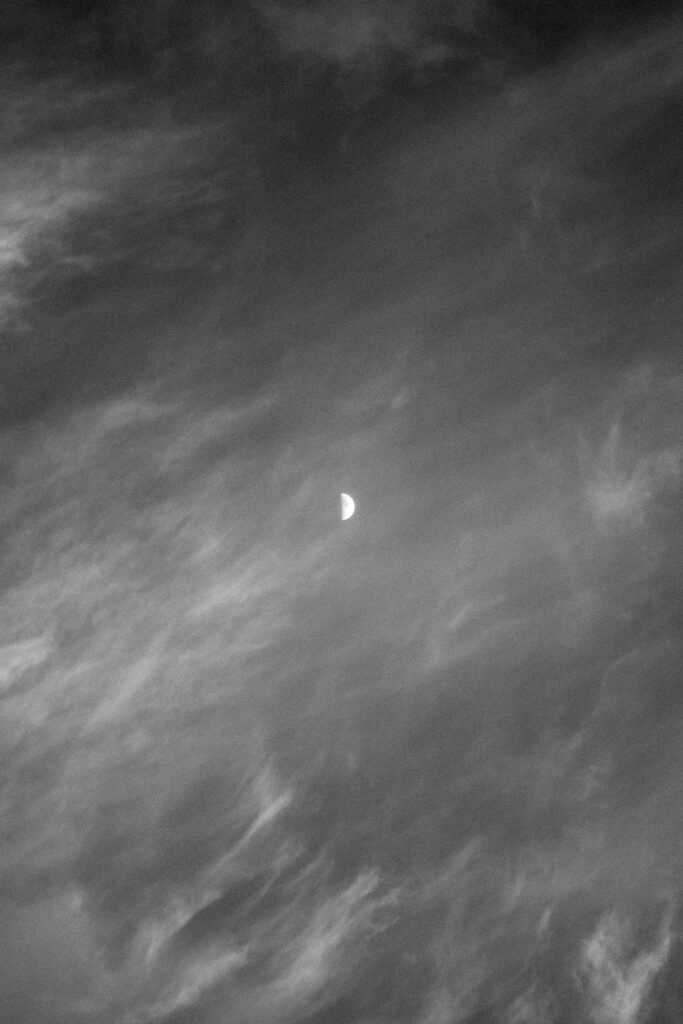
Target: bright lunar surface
{"x":259,"y":766}
{"x":348,"y":506}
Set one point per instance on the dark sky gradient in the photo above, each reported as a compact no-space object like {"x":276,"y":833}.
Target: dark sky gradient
{"x":259,"y":766}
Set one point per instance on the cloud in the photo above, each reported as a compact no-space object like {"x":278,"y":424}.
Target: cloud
{"x":194,"y":981}
{"x":300,"y":951}
{"x":626,"y":493}
{"x":236,"y":710}
{"x":144,"y":767}
{"x":16,"y":659}
{"x":532,"y":1007}
{"x":312,"y":958}
{"x":207,"y":887}
{"x":345,"y":33}
{"x":82,"y":177}
{"x":119,"y":670}
{"x":367,"y":42}
{"x":618,"y":981}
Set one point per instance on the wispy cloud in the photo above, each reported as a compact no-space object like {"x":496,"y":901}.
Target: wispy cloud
{"x":106,"y":718}
{"x":262,"y":747}
{"x":618,"y":980}
{"x":77,"y":174}
{"x":533,"y":1007}
{"x":312,"y":958}
{"x":18,"y":658}
{"x":359,"y":36}
{"x":194,"y":981}
{"x":627,"y":492}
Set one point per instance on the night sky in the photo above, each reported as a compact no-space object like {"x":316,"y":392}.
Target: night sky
{"x":259,"y":765}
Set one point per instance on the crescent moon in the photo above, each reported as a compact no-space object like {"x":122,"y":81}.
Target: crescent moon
{"x":348,"y":506}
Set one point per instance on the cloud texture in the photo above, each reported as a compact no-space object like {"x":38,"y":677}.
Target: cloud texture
{"x":258,"y":766}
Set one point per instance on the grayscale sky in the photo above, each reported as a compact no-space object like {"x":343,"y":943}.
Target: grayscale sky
{"x":260,"y":766}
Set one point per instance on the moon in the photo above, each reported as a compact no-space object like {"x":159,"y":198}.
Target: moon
{"x":348,"y":506}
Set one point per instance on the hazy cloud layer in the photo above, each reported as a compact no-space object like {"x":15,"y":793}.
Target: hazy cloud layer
{"x":424,"y":767}
{"x":185,"y":748}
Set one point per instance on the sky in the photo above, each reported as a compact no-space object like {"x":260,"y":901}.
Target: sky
{"x":259,"y":765}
